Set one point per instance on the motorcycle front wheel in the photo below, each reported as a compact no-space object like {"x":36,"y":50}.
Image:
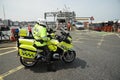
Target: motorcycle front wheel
{"x":69,"y":56}
{"x":27,"y":62}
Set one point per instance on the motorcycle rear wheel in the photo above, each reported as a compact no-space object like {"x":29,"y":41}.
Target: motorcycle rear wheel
{"x":69,"y":57}
{"x":28,"y":62}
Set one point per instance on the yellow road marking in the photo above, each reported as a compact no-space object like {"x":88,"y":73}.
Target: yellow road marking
{"x":7,"y":48}
{"x":1,"y":78}
{"x":7,"y":52}
{"x":11,"y":72}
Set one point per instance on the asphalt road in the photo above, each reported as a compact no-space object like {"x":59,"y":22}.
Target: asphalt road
{"x":98,"y":58}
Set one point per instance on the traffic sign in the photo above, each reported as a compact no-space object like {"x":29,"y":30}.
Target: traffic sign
{"x":92,"y":18}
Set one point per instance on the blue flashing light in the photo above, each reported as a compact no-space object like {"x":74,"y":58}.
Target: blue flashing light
{"x":17,"y":30}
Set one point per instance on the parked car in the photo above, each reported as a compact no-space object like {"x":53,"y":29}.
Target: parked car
{"x":79,"y":26}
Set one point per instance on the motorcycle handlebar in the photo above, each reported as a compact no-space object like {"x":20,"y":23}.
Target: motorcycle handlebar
{"x":63,"y":31}
{"x":50,"y":30}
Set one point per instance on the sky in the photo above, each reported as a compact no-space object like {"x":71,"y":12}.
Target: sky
{"x":29,"y":10}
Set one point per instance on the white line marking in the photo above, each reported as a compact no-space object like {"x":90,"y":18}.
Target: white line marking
{"x":118,"y":35}
{"x":102,"y":39}
{"x":108,"y":34}
{"x":7,"y":52}
{"x":7,"y":48}
{"x":78,"y":41}
{"x":100,"y":43}
{"x":11,"y":72}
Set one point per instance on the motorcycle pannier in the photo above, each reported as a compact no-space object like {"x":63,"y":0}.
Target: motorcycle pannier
{"x":27,"y":51}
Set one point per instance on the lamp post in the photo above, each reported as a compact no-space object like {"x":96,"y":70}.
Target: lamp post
{"x":4,"y":12}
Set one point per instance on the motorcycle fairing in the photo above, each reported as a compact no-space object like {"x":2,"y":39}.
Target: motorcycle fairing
{"x":65,"y":46}
{"x":52,"y":44}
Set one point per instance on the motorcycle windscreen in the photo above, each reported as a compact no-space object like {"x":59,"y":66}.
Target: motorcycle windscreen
{"x":27,"y":51}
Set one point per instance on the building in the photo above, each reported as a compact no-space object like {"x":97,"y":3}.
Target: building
{"x":61,"y":16}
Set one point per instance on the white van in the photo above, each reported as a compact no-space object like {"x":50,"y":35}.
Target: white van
{"x":79,"y":25}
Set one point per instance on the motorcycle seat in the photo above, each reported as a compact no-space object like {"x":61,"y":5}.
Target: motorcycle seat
{"x":38,"y":47}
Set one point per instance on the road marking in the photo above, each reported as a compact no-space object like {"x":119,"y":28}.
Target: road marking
{"x":100,"y":43}
{"x":11,"y":72}
{"x":118,"y":35}
{"x":102,"y":39}
{"x":77,"y":41}
{"x":7,"y":52}
{"x":7,"y":48}
{"x":107,"y":34}
{"x":78,"y":33}
{"x":1,"y":78}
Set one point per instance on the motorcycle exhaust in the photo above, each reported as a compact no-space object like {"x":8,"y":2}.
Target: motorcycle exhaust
{"x":56,"y":56}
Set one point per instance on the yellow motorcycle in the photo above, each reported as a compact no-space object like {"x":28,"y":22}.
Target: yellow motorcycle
{"x":60,"y":47}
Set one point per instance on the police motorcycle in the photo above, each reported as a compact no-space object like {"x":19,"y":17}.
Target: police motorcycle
{"x":60,"y":47}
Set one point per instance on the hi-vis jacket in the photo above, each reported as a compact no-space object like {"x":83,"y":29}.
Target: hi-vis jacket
{"x":40,"y":33}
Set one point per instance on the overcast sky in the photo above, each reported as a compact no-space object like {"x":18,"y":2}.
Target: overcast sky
{"x":28,"y":10}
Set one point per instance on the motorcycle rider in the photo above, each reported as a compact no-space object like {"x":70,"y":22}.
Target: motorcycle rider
{"x":40,"y":36}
